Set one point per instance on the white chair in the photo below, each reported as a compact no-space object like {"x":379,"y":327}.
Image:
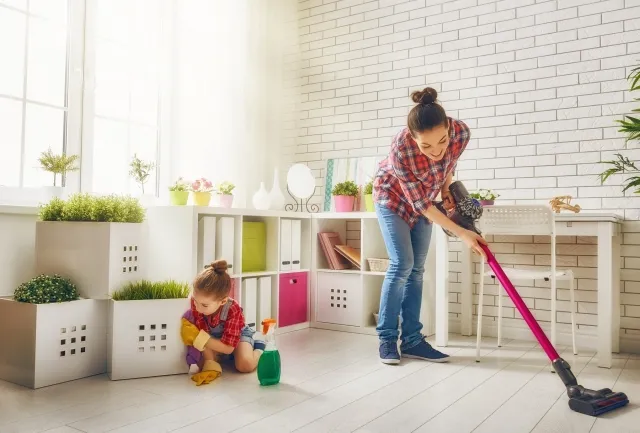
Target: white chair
{"x":524,"y":220}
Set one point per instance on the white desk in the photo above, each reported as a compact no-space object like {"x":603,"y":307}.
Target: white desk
{"x":607,"y":229}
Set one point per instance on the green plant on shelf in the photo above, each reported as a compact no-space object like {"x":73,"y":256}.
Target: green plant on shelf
{"x":347,"y":188}
{"x":57,"y":164}
{"x":180,"y":185}
{"x":145,"y":290}
{"x":630,"y":127}
{"x":88,"y":208}
{"x":46,"y":289}
{"x":484,"y":194}
{"x":225,"y":188}
{"x":140,"y":171}
{"x":368,"y":188}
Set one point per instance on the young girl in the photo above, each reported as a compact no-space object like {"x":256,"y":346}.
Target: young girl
{"x":215,"y":326}
{"x":420,"y":166}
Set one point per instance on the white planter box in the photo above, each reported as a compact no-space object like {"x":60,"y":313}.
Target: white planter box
{"x":47,"y":344}
{"x":144,"y":338}
{"x":98,"y":257}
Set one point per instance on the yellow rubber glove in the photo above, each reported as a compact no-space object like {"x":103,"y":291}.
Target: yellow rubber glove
{"x":192,"y":336}
{"x":211,"y":370}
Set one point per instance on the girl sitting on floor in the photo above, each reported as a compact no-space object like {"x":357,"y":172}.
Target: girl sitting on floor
{"x":215,"y":326}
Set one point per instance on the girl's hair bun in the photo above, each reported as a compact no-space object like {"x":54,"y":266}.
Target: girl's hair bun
{"x":427,"y":96}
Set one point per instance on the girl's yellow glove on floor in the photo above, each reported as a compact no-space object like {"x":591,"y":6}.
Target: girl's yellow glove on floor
{"x":192,"y":336}
{"x":211,"y":370}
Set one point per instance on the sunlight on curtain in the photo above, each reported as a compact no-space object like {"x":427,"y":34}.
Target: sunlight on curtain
{"x":227,"y":99}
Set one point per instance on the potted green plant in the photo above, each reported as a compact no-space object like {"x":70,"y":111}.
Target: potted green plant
{"x":622,"y":165}
{"x":486,"y":197}
{"x":368,"y":196}
{"x":344,"y":195}
{"x":225,"y":192}
{"x":179,"y":192}
{"x":50,"y":334}
{"x":58,"y":165}
{"x":97,"y":241}
{"x":201,"y":190}
{"x":144,"y":324}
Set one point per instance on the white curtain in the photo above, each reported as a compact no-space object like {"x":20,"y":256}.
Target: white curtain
{"x":227,"y":94}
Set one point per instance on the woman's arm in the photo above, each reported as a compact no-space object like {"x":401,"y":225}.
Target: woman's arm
{"x":472,"y":239}
{"x":219,"y":347}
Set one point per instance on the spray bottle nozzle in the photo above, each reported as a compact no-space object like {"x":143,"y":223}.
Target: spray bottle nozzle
{"x":266,"y":325}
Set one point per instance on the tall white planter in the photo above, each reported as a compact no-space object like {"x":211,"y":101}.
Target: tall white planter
{"x":144,"y":338}
{"x":98,"y":257}
{"x":47,"y":344}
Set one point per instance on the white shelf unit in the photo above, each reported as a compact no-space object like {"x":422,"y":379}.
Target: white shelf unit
{"x":363,"y":285}
{"x":176,"y":247}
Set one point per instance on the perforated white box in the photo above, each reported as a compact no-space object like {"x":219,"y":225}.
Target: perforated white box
{"x":98,"y":257}
{"x":47,"y":344}
{"x":144,"y":338}
{"x":339,"y":298}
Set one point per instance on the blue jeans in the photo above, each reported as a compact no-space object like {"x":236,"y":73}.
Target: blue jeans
{"x":402,"y":288}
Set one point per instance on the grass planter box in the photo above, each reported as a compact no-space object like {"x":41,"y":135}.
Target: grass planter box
{"x":98,"y":257}
{"x":47,"y":344}
{"x":144,"y":338}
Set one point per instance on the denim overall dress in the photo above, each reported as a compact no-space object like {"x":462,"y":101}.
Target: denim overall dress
{"x":246,"y":335}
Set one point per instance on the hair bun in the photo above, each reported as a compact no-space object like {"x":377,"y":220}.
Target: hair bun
{"x":219,"y":266}
{"x":427,"y":96}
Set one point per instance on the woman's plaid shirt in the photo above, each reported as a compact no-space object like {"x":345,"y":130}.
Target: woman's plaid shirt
{"x":407,"y":181}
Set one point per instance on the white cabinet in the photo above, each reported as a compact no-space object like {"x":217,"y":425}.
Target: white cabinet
{"x":339,"y":298}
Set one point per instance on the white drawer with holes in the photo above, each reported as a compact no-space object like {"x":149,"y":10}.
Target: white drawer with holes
{"x":339,"y":299}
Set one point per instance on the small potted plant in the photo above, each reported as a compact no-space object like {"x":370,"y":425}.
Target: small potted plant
{"x":50,"y":334}
{"x":368,"y":197}
{"x":344,"y":195}
{"x":486,"y":197}
{"x":201,"y":189}
{"x":57,"y":165}
{"x":179,"y":192}
{"x":225,"y":192}
{"x":140,"y":171}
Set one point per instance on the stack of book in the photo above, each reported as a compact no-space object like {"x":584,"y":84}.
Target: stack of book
{"x":338,"y":255}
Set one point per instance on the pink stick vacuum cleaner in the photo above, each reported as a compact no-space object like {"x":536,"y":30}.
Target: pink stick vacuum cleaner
{"x":581,"y":399}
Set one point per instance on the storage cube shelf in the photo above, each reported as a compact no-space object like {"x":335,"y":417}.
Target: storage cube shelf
{"x":192,"y":235}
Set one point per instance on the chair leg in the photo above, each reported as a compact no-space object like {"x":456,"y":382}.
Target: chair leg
{"x":481,"y":296}
{"x":573,"y":315}
{"x":499,"y":316}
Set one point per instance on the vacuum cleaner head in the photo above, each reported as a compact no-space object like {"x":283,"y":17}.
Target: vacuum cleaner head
{"x":596,"y":403}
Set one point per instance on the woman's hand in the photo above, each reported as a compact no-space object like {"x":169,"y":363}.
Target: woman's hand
{"x":473,"y":241}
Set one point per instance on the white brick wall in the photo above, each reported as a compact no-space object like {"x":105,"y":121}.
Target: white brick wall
{"x":540,"y":83}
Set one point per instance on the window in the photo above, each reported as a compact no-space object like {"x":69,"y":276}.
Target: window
{"x":34,"y":79}
{"x":123,"y":73}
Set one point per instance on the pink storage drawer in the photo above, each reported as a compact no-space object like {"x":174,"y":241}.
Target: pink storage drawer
{"x":292,"y":298}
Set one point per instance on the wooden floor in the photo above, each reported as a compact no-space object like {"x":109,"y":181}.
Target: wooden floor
{"x":334,"y":382}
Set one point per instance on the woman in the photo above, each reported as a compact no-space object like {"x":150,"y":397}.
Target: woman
{"x":420,"y":166}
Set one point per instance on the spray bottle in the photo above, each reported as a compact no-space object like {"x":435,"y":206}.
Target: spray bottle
{"x":269,"y":363}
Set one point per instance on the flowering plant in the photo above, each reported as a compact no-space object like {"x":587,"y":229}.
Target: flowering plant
{"x":226,"y":188}
{"x":180,"y":185}
{"x":201,"y":185}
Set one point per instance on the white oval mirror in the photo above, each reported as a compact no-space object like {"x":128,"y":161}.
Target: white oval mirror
{"x":300,"y":181}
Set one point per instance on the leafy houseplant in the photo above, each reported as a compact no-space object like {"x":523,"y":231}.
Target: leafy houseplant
{"x":225,"y":190}
{"x":344,"y":194}
{"x":146,"y":290}
{"x":368,"y":196}
{"x":486,"y":197}
{"x":57,"y":165}
{"x":179,"y":192}
{"x":630,"y":126}
{"x":45,"y":289}
{"x":88,"y":208}
{"x":201,"y":189}
{"x":140,"y":171}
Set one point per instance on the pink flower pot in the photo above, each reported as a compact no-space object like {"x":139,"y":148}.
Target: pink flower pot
{"x":226,"y":201}
{"x":486,"y":202}
{"x":344,"y":203}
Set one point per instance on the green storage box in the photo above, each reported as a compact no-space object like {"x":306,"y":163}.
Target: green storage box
{"x":254,"y":247}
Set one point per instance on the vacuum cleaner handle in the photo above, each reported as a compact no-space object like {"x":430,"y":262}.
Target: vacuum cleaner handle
{"x":520,"y":305}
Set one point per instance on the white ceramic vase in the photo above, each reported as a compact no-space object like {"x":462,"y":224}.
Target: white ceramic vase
{"x":276,"y":197}
{"x":261,"y":199}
